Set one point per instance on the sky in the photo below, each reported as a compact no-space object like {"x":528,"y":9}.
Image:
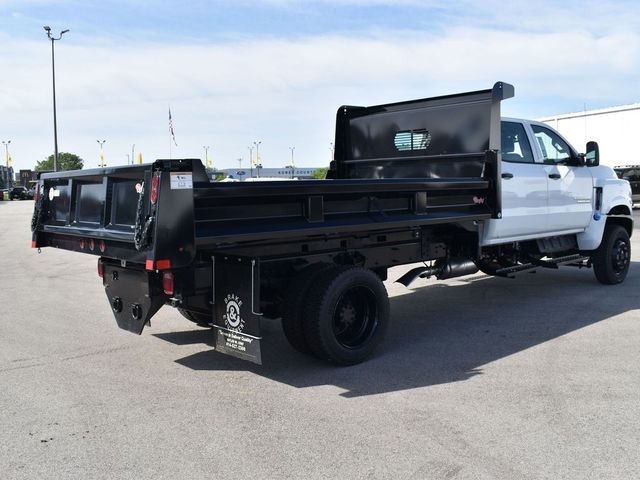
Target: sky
{"x":276,"y":71}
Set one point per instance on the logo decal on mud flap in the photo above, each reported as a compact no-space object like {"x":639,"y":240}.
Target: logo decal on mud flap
{"x":232,"y":318}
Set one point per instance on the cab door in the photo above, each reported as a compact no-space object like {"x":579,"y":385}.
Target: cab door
{"x":524,"y":189}
{"x":570,"y":185}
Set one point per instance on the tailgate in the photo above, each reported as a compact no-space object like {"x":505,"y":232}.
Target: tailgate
{"x":111,"y":212}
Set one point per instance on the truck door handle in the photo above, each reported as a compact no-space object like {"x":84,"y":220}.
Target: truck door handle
{"x":507,"y":175}
{"x":555,"y":176}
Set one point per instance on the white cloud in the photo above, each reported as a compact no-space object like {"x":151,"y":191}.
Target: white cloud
{"x":285,"y":91}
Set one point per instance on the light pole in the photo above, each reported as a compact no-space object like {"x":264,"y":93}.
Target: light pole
{"x":258,"y":164}
{"x":101,"y":142}
{"x":251,"y":159}
{"x":133,"y":147}
{"x":127,"y":158}
{"x":53,"y":71}
{"x":206,"y":156}
{"x":6,"y":157}
{"x":293,"y":163}
{"x":6,"y":150}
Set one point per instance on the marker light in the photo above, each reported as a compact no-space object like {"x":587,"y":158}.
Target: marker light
{"x":154,"y":189}
{"x":167,"y":283}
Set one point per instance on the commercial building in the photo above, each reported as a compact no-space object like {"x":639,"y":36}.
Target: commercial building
{"x":27,"y":178}
{"x":6,"y":177}
{"x":615,"y":129}
{"x":300,"y":173}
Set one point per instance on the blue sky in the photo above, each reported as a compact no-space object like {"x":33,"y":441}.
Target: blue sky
{"x":276,"y":70}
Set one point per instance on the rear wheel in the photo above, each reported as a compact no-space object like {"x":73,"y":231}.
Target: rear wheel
{"x":201,"y":319}
{"x":293,"y":305}
{"x":612,"y":258}
{"x":347,"y":315}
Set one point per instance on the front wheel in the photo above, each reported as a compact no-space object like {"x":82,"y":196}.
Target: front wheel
{"x":612,"y":258}
{"x":347,"y":315}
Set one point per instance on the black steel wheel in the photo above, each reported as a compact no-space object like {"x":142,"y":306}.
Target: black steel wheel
{"x":347,"y":315}
{"x":293,"y":305}
{"x":612,"y":258}
{"x":201,"y":319}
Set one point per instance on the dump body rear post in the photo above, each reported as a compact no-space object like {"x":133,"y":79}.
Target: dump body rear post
{"x":418,"y":182}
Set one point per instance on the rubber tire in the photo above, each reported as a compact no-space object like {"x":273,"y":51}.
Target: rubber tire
{"x":293,"y":305}
{"x":199,"y":318}
{"x":601,"y":258}
{"x":320,"y":308}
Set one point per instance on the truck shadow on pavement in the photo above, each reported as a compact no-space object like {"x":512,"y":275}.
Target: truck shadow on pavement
{"x":442,"y":332}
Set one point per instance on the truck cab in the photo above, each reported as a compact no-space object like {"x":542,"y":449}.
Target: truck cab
{"x":550,"y":190}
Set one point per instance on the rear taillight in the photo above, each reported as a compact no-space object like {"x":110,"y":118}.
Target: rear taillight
{"x":82,"y":244}
{"x":100,"y":269}
{"x":155,"y":181}
{"x":36,"y":193}
{"x":92,"y":244}
{"x":102,"y":246}
{"x":167,"y":283}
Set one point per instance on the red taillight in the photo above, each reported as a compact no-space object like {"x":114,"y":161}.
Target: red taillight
{"x":100,"y":269}
{"x":92,"y":244}
{"x":167,"y":283}
{"x":102,"y":246}
{"x":155,"y":181}
{"x":82,"y":243}
{"x":36,"y":193}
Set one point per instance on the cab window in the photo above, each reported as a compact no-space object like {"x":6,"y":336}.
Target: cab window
{"x":515,"y":144}
{"x":554,"y":149}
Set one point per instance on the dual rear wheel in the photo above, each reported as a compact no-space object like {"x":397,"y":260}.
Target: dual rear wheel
{"x":336,"y":313}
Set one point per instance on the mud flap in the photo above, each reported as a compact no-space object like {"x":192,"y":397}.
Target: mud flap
{"x":236,"y":293}
{"x":133,"y":297}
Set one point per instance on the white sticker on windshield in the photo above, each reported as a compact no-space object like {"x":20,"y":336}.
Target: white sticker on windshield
{"x":181,"y":180}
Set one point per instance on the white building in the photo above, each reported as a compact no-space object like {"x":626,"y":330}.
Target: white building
{"x":616,"y":129}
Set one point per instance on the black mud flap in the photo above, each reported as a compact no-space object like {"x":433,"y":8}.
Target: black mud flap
{"x":133,"y":296}
{"x":237,"y":307}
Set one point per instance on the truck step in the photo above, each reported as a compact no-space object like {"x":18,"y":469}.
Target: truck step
{"x":567,"y":259}
{"x":573,"y":260}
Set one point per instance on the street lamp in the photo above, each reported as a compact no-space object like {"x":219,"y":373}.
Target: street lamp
{"x":251,"y":159}
{"x":206,"y":156}
{"x":6,"y":151}
{"x":293,"y":163}
{"x":133,"y":148}
{"x":101,"y":142}
{"x":258,"y":164}
{"x":53,"y":70}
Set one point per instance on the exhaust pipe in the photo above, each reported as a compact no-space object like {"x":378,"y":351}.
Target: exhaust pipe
{"x":443,"y":269}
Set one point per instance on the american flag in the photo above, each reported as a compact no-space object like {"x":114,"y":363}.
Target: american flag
{"x":173,"y":135}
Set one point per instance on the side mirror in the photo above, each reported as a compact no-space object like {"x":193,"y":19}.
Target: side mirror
{"x":592,"y":157}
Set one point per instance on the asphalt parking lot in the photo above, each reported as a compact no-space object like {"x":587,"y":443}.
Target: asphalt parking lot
{"x":479,"y":378}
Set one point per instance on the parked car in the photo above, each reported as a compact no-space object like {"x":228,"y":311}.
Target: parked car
{"x":631,"y":173}
{"x":20,"y":193}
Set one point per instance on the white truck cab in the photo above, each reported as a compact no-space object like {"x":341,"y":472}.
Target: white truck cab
{"x":549,"y":190}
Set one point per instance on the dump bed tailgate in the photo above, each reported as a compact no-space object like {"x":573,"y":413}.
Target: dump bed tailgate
{"x":112,"y":212}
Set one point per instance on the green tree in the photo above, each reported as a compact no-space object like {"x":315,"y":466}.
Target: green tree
{"x":66,"y":161}
{"x":218,"y":174}
{"x":320,"y":173}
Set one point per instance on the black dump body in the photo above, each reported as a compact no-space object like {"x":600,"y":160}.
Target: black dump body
{"x":410,"y":182}
{"x":400,"y":165}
